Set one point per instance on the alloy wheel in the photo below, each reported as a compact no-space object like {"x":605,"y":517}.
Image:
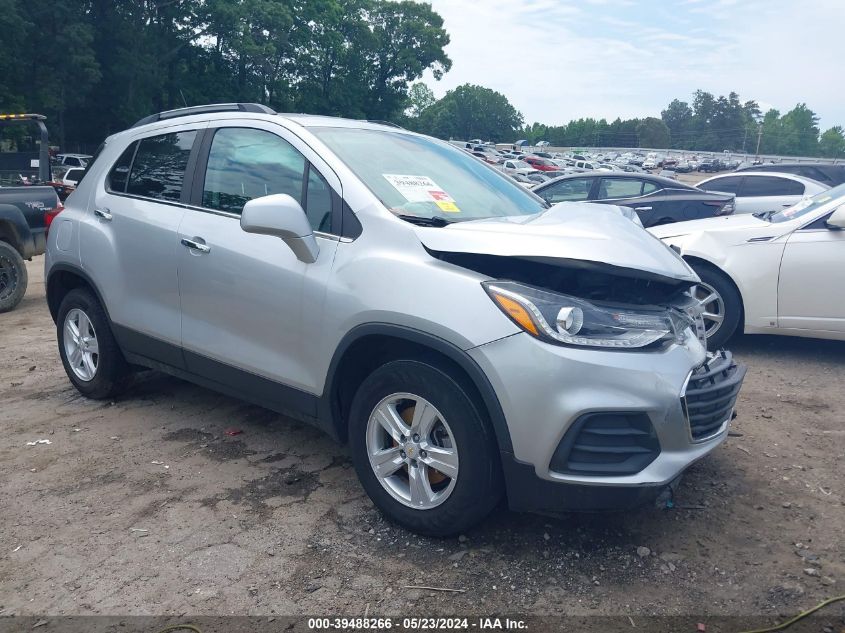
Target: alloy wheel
{"x":712,"y":305}
{"x":81,"y":347}
{"x":412,"y":451}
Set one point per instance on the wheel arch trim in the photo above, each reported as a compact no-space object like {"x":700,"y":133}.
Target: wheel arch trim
{"x":329,"y":406}
{"x":74,"y":270}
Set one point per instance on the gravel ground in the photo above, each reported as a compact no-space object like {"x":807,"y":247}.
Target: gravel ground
{"x":146,"y":506}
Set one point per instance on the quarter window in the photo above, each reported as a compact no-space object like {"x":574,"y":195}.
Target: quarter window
{"x":245,"y":163}
{"x":119,"y":174}
{"x":318,"y":202}
{"x":159,"y":166}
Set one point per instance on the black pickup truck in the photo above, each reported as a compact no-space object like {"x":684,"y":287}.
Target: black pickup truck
{"x":25,"y":216}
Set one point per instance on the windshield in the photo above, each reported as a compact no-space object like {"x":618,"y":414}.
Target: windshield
{"x":417,"y":176}
{"x":808,"y":205}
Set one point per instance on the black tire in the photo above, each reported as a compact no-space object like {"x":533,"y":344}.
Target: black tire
{"x":478,"y":485}
{"x":722,"y":284}
{"x":13,"y":277}
{"x":112,"y":372}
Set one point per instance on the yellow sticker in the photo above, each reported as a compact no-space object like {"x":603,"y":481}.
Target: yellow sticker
{"x":447,"y":207}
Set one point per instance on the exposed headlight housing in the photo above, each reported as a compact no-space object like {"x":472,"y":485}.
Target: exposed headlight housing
{"x":565,"y":320}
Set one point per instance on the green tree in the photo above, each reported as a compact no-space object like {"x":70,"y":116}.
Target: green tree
{"x":469,"y":112}
{"x":420,"y":97}
{"x":654,"y":133}
{"x":832,"y":143}
{"x":678,"y":117}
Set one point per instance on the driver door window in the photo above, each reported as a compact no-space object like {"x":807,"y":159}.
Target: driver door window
{"x":575,"y":190}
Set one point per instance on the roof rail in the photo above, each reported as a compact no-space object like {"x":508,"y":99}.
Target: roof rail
{"x":387,"y":123}
{"x":206,"y":109}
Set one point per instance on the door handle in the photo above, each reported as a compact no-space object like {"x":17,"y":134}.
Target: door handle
{"x":197,"y":246}
{"x":642,"y":208}
{"x":103,"y":214}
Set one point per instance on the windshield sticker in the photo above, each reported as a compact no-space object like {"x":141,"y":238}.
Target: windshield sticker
{"x":422,"y":189}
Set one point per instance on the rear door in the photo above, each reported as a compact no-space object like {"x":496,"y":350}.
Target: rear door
{"x":251,"y":310}
{"x":767,"y":193}
{"x":129,"y":241}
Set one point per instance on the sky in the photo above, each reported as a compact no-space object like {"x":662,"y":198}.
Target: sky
{"x":558,"y":60}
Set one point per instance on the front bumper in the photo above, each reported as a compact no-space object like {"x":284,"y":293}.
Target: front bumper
{"x":544,"y":389}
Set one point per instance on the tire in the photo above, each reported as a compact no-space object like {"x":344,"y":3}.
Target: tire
{"x":475,"y":489}
{"x":717,"y":282}
{"x":111,"y":372}
{"x":13,"y":277}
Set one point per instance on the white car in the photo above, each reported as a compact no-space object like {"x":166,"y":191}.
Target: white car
{"x":758,"y":192}
{"x":650,"y":163}
{"x":514,"y":166}
{"x":73,"y":175}
{"x":73,"y":160}
{"x":769,"y":273}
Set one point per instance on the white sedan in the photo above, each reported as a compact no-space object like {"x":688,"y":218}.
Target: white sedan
{"x":769,"y":273}
{"x":763,"y":191}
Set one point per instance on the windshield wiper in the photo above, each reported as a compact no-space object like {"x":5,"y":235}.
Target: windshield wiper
{"x":764,"y":215}
{"x":422,"y":221}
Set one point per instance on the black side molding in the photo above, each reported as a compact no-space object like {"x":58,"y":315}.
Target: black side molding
{"x":329,"y":409}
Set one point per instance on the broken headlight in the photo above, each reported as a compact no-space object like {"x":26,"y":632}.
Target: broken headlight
{"x":562,"y":319}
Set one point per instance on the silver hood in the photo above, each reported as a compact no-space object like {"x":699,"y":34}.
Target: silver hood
{"x":568,"y":231}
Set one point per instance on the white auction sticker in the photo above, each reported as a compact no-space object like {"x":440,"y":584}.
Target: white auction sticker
{"x":422,"y":189}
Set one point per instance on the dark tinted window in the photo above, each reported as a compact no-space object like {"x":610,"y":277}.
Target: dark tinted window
{"x":318,"y":202}
{"x":572,"y":190}
{"x":75,"y":174}
{"x":119,"y":174}
{"x":619,"y":188}
{"x":758,"y":186}
{"x":728,"y":184}
{"x":159,"y":166}
{"x":244,"y":164}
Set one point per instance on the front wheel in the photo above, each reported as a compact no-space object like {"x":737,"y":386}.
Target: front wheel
{"x":423,"y":450}
{"x":13,"y":277}
{"x":721,"y":303}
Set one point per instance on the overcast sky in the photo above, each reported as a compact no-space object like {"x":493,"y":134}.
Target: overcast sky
{"x":558,"y":60}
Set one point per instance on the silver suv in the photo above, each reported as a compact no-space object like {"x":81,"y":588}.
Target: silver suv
{"x":468,"y":341}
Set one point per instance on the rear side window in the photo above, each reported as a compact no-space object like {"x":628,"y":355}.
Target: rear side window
{"x":159,"y":166}
{"x":119,"y":174}
{"x":245,"y":163}
{"x":759,"y":186}
{"x":75,"y":174}
{"x":728,"y":184}
{"x":619,"y":188}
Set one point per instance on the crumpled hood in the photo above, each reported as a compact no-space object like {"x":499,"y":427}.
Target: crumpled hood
{"x":568,"y":231}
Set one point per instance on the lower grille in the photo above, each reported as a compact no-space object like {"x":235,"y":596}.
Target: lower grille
{"x":607,"y":443}
{"x":711,"y":394}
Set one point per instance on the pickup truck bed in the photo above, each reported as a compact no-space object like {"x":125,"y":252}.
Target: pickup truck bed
{"x":25,"y":213}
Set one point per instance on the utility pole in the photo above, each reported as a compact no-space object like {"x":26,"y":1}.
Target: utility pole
{"x":759,"y":136}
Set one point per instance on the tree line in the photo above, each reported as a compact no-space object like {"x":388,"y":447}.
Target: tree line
{"x":706,"y":123}
{"x":94,"y":67}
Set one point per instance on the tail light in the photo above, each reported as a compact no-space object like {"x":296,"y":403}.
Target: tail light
{"x":726,"y":208}
{"x":51,"y":214}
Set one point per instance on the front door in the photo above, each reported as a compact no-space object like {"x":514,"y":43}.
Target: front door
{"x":250,"y":308}
{"x":810,"y":295}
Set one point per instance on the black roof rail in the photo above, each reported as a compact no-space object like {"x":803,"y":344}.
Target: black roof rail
{"x":206,"y":109}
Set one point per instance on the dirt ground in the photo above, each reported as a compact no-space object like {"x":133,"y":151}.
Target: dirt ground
{"x":146,"y":506}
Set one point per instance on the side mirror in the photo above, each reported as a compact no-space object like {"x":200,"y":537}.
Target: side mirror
{"x":281,"y":216}
{"x":837,"y":220}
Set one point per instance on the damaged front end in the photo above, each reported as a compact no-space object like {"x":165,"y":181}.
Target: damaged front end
{"x":588,"y":304}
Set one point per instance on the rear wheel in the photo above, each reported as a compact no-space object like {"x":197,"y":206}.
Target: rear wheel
{"x":721,"y":303}
{"x":89,"y":353}
{"x":422,"y":450}
{"x":13,"y":277}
